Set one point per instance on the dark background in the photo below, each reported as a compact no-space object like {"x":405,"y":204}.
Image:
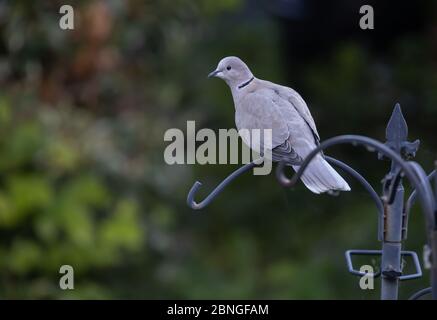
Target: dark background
{"x":82,"y":118}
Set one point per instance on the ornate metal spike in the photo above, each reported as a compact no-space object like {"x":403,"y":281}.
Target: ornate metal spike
{"x":397,"y":134}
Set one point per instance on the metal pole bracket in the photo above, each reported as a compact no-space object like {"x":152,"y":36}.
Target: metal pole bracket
{"x":412,"y":254}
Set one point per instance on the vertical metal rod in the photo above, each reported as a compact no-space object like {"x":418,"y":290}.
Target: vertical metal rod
{"x":433,"y":244}
{"x":392,"y":246}
{"x":434,"y":265}
{"x":393,"y":223}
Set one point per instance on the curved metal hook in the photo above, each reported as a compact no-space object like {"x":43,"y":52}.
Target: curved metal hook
{"x":423,"y":178}
{"x":214,"y":193}
{"x":420,"y":293}
{"x":194,"y":205}
{"x":426,"y":200}
{"x":361,"y":180}
{"x":413,"y":196}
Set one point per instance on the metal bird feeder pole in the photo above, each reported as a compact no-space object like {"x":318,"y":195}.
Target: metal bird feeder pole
{"x":394,"y":225}
{"x":392,"y":216}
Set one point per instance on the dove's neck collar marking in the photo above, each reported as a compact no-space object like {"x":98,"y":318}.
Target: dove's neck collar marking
{"x":241,"y":86}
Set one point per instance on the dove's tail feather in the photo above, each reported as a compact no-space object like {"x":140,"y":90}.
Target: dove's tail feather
{"x":320,"y":177}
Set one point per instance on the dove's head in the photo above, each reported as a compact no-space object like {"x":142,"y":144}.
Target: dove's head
{"x":233,"y":70}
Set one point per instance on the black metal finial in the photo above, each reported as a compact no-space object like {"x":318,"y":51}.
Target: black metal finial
{"x":397,"y":129}
{"x":396,"y":134}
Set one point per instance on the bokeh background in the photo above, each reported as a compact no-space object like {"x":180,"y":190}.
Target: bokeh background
{"x":83,"y":115}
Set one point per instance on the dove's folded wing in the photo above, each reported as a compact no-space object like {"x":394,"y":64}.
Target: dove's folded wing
{"x":259,"y":110}
{"x":298,"y":103}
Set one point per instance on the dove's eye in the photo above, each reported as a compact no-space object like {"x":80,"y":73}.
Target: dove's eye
{"x":228,"y":68}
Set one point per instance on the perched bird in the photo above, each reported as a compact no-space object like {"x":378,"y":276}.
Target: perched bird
{"x":261,"y":104}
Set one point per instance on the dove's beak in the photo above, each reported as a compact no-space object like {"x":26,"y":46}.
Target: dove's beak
{"x":214,"y":73}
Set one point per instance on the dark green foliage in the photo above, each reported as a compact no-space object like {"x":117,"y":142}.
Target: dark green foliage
{"x":82,"y":176}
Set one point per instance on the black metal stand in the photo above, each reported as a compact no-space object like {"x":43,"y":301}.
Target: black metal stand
{"x":392,"y":215}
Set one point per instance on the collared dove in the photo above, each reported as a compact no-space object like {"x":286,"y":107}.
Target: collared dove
{"x":261,"y":104}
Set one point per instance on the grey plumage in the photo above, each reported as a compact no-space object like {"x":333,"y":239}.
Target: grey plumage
{"x":261,"y":104}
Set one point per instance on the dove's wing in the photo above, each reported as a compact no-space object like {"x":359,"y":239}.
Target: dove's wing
{"x":286,"y":153}
{"x":302,"y":108}
{"x":297,"y":103}
{"x":259,"y":110}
